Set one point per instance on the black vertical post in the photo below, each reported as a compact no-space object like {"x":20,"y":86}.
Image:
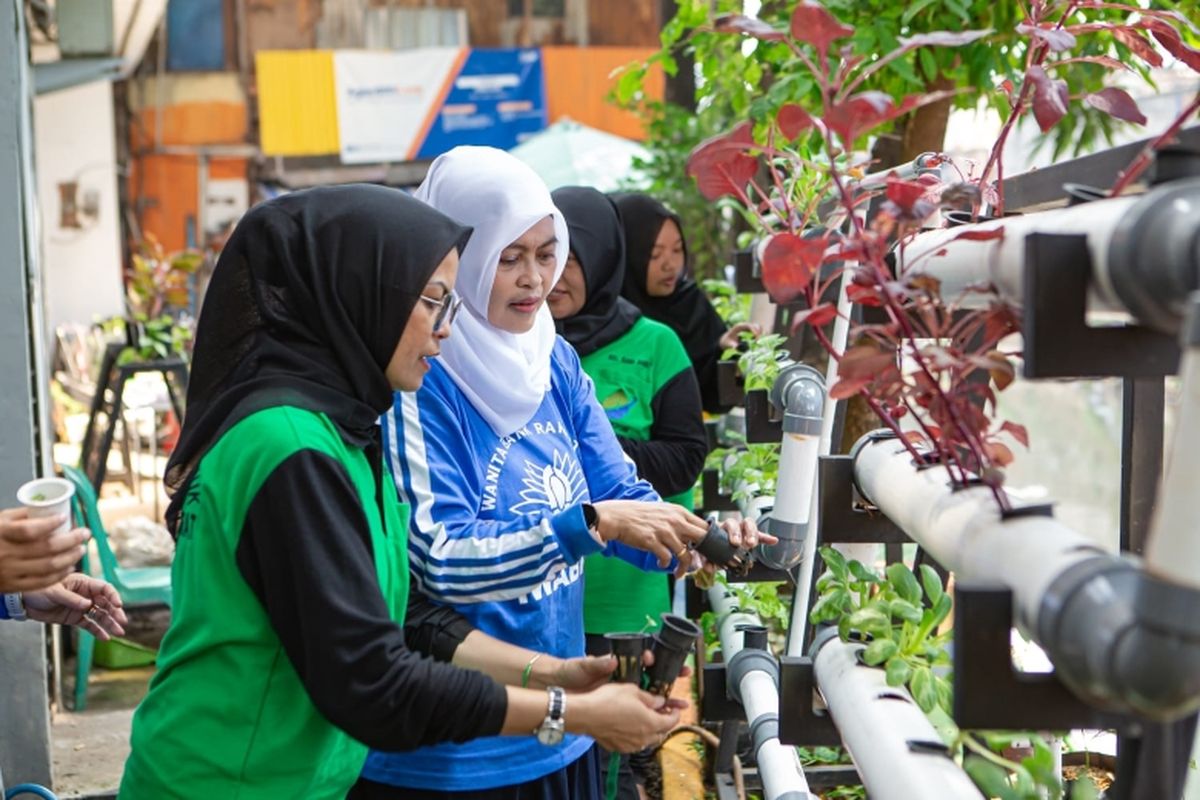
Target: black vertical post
{"x":1142,"y":403}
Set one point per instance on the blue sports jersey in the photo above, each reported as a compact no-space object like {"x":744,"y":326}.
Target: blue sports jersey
{"x":498,"y":533}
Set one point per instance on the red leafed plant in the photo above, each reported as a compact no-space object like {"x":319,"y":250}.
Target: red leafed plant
{"x":926,"y":357}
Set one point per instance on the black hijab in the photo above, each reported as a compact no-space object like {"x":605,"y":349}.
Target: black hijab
{"x":687,"y":310}
{"x":598,"y":242}
{"x":306,"y":305}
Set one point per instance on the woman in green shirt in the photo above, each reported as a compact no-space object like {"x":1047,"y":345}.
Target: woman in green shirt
{"x":286,"y":656}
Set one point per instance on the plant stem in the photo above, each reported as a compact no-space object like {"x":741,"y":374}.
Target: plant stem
{"x":984,"y":751}
{"x":1145,"y":157}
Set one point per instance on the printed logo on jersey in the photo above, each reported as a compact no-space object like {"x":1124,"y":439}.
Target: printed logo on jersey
{"x":556,"y":486}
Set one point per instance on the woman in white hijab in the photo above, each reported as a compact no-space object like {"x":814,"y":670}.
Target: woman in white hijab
{"x":514,"y":475}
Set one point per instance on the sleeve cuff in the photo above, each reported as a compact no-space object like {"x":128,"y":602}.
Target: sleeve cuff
{"x":573,"y":535}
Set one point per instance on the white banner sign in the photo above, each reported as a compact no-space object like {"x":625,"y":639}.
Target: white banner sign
{"x":387,"y":101}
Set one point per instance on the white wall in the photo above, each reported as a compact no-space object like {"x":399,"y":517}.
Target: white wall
{"x":75,"y":140}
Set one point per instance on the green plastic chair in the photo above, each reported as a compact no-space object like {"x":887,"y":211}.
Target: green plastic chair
{"x":138,"y":586}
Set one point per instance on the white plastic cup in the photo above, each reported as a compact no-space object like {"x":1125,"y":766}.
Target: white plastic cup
{"x":46,"y":497}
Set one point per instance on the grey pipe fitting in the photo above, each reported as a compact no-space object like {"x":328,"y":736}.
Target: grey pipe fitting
{"x":1123,"y":638}
{"x":799,"y":394}
{"x":1154,"y":254}
{"x":745,"y":661}
{"x":764,"y":729}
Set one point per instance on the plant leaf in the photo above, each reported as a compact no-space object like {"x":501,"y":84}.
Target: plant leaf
{"x":932,"y":583}
{"x":998,"y":453}
{"x":858,"y":114}
{"x":793,"y":120}
{"x":898,"y":671}
{"x":1050,"y":98}
{"x":861,"y":573}
{"x":1169,"y":38}
{"x":1117,"y":103}
{"x":991,"y":779}
{"x":816,"y":317}
{"x":904,"y":193}
{"x":904,"y":582}
{"x":880,"y":651}
{"x":923,"y":690}
{"x":1138,"y":45}
{"x":943,"y":38}
{"x":750,"y":26}
{"x":864,"y":361}
{"x":1055,"y":38}
{"x":835,"y":561}
{"x":812,"y":23}
{"x":1016,"y":431}
{"x":1105,"y":61}
{"x":870,"y":620}
{"x":864,"y":295}
{"x":904,"y":610}
{"x":721,"y":164}
{"x":941,"y":610}
{"x":789,"y":264}
{"x":848,"y":387}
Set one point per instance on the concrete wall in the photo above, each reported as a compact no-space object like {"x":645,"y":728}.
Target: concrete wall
{"x":76,"y":143}
{"x":24,"y":710}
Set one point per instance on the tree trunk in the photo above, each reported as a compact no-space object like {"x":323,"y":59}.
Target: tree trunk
{"x":925,"y":129}
{"x":680,"y":88}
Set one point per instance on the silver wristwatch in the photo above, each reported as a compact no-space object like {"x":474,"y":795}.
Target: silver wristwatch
{"x":550,"y":732}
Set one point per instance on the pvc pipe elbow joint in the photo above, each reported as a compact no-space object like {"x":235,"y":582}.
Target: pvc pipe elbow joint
{"x":1124,"y":638}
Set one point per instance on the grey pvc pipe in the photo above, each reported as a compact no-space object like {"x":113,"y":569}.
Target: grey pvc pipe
{"x":1118,"y":636}
{"x":753,"y":680}
{"x":899,"y":754}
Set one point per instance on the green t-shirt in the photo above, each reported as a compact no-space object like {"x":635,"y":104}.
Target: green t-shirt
{"x":628,"y":374}
{"x":226,"y":715}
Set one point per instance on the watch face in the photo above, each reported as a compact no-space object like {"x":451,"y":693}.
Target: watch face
{"x":550,"y":733}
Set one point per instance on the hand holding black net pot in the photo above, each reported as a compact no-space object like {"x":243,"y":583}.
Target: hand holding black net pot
{"x":286,"y":651}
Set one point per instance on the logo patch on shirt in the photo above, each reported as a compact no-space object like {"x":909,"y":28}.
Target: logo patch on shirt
{"x":618,"y":404}
{"x":556,"y":486}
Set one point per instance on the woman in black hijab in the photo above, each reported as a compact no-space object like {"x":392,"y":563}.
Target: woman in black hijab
{"x":645,"y":383}
{"x":658,"y":282}
{"x":286,"y":657}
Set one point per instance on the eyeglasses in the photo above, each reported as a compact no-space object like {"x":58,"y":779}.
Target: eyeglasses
{"x":447,"y":308}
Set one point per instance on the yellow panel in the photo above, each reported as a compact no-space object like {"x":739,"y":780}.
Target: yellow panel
{"x":297,"y":108}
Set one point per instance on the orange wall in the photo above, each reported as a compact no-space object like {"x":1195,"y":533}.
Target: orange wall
{"x":170,"y":185}
{"x":166,"y":187}
{"x":578,"y":79}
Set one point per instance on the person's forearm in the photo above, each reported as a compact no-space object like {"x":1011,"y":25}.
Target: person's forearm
{"x":528,"y":707}
{"x":505,"y":663}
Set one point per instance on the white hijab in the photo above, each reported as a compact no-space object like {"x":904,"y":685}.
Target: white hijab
{"x":504,"y":375}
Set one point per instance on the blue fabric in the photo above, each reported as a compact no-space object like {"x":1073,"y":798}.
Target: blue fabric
{"x":582,"y":780}
{"x":4,"y":607}
{"x":498,"y":533}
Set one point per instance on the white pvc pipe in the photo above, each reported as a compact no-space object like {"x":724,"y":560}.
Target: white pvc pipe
{"x":797,"y":468}
{"x":877,"y":723}
{"x":959,"y":263}
{"x":963,"y":529}
{"x":778,"y":765}
{"x":1173,"y":546}
{"x":839,"y":338}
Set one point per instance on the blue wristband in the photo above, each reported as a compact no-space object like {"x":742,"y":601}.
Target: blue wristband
{"x":13,"y":607}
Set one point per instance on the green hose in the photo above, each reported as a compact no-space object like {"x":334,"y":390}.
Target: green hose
{"x":614,"y":776}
